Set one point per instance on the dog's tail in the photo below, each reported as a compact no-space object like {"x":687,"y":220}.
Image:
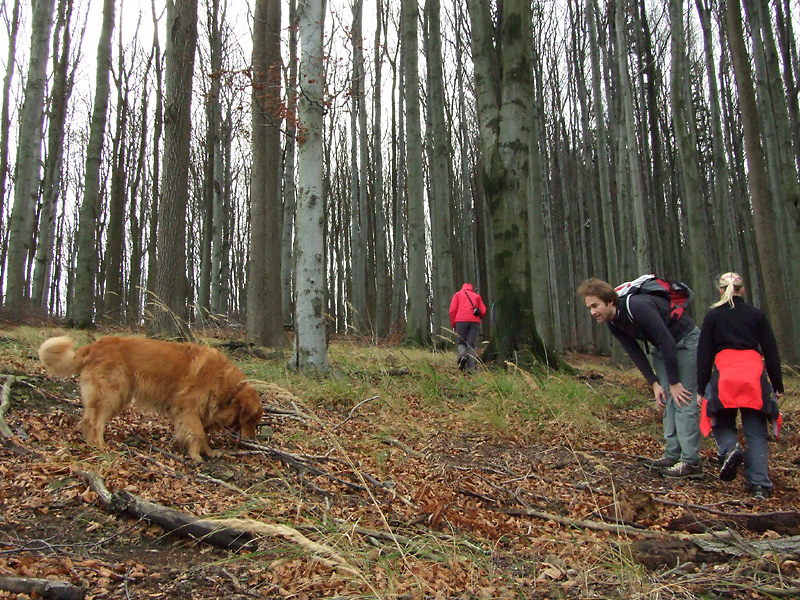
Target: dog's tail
{"x":59,"y":358}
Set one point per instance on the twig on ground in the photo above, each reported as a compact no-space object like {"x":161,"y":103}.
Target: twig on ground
{"x":353,"y":410}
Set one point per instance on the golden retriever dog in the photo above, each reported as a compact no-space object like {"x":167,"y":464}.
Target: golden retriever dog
{"x":194,"y":385}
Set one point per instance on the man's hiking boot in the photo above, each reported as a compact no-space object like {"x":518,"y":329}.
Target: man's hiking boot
{"x":760,"y":492}
{"x":660,"y":463}
{"x":731,"y":462}
{"x":683,"y":470}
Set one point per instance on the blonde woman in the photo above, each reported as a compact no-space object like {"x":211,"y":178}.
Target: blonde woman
{"x":737,"y":360}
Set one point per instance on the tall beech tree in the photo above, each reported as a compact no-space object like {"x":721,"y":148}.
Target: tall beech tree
{"x":170,"y":310}
{"x":503,"y":89}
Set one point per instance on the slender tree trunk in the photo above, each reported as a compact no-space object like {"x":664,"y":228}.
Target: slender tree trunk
{"x":382,"y":300}
{"x":400,"y":196}
{"x":5,"y":125}
{"x":63,"y":79}
{"x":29,"y":152}
{"x":765,"y":228}
{"x":311,"y":345}
{"x":417,"y":328}
{"x":641,"y":248}
{"x":442,"y":281}
{"x":212,"y":154}
{"x":171,"y":289}
{"x":263,"y":282}
{"x":158,"y":123}
{"x":115,"y":236}
{"x":84,"y":305}
{"x":688,"y":160}
{"x":289,"y":188}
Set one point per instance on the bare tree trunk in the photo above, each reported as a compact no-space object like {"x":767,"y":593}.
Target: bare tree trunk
{"x":417,"y":328}
{"x":5,"y":128}
{"x":289,"y":189}
{"x":641,"y":248}
{"x":765,"y":228}
{"x":63,"y":80}
{"x":212,"y":155}
{"x":725,"y":233}
{"x":358,"y":179}
{"x":158,"y":123}
{"x":84,"y":305}
{"x":115,"y":236}
{"x":29,"y":153}
{"x":311,"y":345}
{"x":688,"y":160}
{"x":382,"y":300}
{"x":263,"y":282}
{"x":501,"y":53}
{"x":400,"y":224}
{"x":171,"y":289}
{"x":442,"y":281}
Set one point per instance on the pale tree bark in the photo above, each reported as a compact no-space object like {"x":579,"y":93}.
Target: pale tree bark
{"x":765,"y":228}
{"x":611,"y":265}
{"x":63,"y":79}
{"x":5,"y":128}
{"x":382,"y":303}
{"x":777,"y":140}
{"x":465,"y":233}
{"x":641,"y":247}
{"x":29,"y":156}
{"x":117,"y":202}
{"x":688,"y":161}
{"x":399,"y":276}
{"x":724,"y":231}
{"x":289,"y":186}
{"x":139,"y":205}
{"x":155,"y":200}
{"x":791,"y":64}
{"x":358,"y":181}
{"x":264,"y":325}
{"x":417,"y":329}
{"x":212,"y":155}
{"x":501,"y":54}
{"x":442,"y":280}
{"x":171,"y":289}
{"x":311,"y":344}
{"x":84,"y":304}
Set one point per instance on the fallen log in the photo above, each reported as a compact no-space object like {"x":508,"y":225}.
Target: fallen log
{"x":180,"y":523}
{"x":44,"y":588}
{"x":784,"y":522}
{"x":711,"y":548}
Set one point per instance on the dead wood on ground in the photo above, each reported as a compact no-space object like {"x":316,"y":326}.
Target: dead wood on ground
{"x":43,"y":588}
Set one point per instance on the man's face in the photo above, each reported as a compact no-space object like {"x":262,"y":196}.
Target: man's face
{"x":601,"y":311}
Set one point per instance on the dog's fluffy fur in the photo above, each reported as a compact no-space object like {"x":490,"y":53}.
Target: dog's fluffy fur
{"x":196,"y":386}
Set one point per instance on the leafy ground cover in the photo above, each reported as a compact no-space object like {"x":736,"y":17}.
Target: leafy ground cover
{"x":397,"y":476}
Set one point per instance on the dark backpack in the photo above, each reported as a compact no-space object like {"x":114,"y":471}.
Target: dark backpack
{"x":679,"y":294}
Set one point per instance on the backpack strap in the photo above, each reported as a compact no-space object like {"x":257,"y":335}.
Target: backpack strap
{"x":468,"y":298}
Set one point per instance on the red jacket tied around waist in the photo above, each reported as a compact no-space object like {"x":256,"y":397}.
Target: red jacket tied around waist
{"x":738,"y":381}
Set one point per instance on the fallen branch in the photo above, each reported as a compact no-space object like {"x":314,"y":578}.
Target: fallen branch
{"x":5,"y":403}
{"x":46,"y":588}
{"x":180,"y":523}
{"x":584,"y":524}
{"x":784,"y":522}
{"x":353,"y":411}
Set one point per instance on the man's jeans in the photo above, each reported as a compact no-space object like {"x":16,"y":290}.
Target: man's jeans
{"x":681,"y":423}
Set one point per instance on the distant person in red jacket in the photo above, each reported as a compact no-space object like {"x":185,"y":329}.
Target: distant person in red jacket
{"x":466,"y":311}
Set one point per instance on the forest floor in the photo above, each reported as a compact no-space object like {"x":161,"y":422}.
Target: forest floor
{"x":397,"y":476}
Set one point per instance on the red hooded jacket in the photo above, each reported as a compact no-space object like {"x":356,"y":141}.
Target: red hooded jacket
{"x":461,"y":308}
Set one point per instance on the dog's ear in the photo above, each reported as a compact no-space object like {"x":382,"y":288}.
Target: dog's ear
{"x":250,"y":411}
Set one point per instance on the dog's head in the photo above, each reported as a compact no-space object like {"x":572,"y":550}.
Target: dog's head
{"x":244,"y":412}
